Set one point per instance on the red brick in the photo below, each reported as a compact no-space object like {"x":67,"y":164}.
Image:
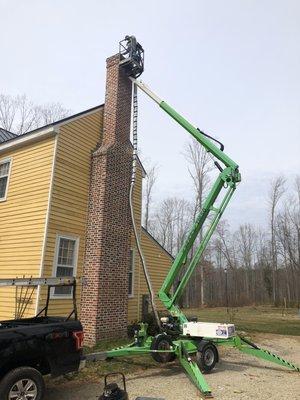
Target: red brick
{"x":104,"y":300}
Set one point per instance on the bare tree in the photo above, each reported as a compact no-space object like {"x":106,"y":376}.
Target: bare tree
{"x":148,"y":193}
{"x":297,"y":187}
{"x":285,"y":246}
{"x":199,"y":168}
{"x":8,"y":110}
{"x":171,"y":222}
{"x":263,"y":266}
{"x":164,"y":223}
{"x":225,"y":247}
{"x":297,"y":218}
{"x":276,"y":191}
{"x":246,"y":238}
{"x":239,"y":265}
{"x":19,"y":115}
{"x":296,"y":222}
{"x":170,"y":225}
{"x":288,"y":238}
{"x":183,"y":222}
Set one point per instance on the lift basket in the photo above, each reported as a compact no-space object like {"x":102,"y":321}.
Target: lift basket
{"x":131,"y":56}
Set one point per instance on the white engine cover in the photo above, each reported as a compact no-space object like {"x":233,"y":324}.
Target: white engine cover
{"x":208,"y":330}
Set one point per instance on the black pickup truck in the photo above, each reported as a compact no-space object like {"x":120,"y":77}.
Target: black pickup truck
{"x":37,"y":346}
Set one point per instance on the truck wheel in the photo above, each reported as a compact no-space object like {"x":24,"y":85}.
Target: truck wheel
{"x":22,"y":383}
{"x":162,"y":342}
{"x":207,"y":357}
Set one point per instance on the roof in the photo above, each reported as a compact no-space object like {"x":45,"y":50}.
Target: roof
{"x":149,"y":234}
{"x":14,"y":137}
{"x":6,"y":135}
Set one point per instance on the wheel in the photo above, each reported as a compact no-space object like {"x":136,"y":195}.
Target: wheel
{"x":162,"y":342}
{"x":207,"y":357}
{"x":22,"y":383}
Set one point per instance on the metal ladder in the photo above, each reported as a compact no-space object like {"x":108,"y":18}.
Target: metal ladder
{"x":53,"y":281}
{"x":43,"y":281}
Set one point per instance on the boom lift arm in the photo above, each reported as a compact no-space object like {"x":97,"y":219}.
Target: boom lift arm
{"x":193,"y":343}
{"x":227,"y":179}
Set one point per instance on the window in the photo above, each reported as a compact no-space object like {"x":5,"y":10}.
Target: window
{"x":4,"y":178}
{"x":65,"y":262}
{"x":130,"y":274}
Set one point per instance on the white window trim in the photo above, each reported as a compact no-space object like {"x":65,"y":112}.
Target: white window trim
{"x":131,"y":295}
{"x":54,"y":270}
{"x":5,"y":160}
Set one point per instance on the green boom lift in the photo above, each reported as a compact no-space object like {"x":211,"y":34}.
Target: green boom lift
{"x":193,"y":343}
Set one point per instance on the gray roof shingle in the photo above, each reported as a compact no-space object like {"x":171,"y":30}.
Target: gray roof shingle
{"x":6,"y":135}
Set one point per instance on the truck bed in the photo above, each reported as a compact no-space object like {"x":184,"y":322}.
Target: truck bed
{"x":49,"y":344}
{"x":31,"y":322}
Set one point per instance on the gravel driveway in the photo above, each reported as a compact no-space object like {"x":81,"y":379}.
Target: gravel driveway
{"x":237,"y":376}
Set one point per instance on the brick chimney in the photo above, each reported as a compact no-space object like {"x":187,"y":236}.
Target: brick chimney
{"x":105,"y":292}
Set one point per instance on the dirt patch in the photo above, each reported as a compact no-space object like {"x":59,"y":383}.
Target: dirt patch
{"x":237,"y":376}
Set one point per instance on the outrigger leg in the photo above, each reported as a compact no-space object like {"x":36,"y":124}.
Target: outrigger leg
{"x":193,"y":370}
{"x":245,"y":346}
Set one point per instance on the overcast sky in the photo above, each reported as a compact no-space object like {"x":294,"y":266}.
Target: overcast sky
{"x":231,"y":67}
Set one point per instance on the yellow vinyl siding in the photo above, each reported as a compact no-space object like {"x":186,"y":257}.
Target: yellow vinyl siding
{"x":69,"y":200}
{"x":23,"y":217}
{"x":158,"y":263}
{"x":158,"y":260}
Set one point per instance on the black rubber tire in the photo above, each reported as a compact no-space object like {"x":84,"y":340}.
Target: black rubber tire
{"x":162,"y":342}
{"x":22,"y":373}
{"x":207,"y":357}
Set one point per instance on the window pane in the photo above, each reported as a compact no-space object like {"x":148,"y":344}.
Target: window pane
{"x":130,"y":283}
{"x":130,"y":273}
{"x":4,"y":168}
{"x":66,"y":252}
{"x":70,"y":255}
{"x":64,"y":271}
{"x":131,"y":261}
{"x":63,"y":290}
{"x":65,"y":264}
{"x":3,"y":184}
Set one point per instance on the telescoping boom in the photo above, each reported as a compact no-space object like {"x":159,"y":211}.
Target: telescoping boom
{"x":228,"y":178}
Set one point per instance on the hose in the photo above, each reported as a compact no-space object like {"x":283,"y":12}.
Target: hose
{"x":136,"y":235}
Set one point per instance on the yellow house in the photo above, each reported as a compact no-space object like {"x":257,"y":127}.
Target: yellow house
{"x":64,"y":211}
{"x":44,"y":187}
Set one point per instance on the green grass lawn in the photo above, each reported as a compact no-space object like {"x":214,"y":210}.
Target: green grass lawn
{"x":264,"y":319}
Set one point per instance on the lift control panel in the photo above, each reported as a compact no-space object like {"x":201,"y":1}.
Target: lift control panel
{"x":212,"y":330}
